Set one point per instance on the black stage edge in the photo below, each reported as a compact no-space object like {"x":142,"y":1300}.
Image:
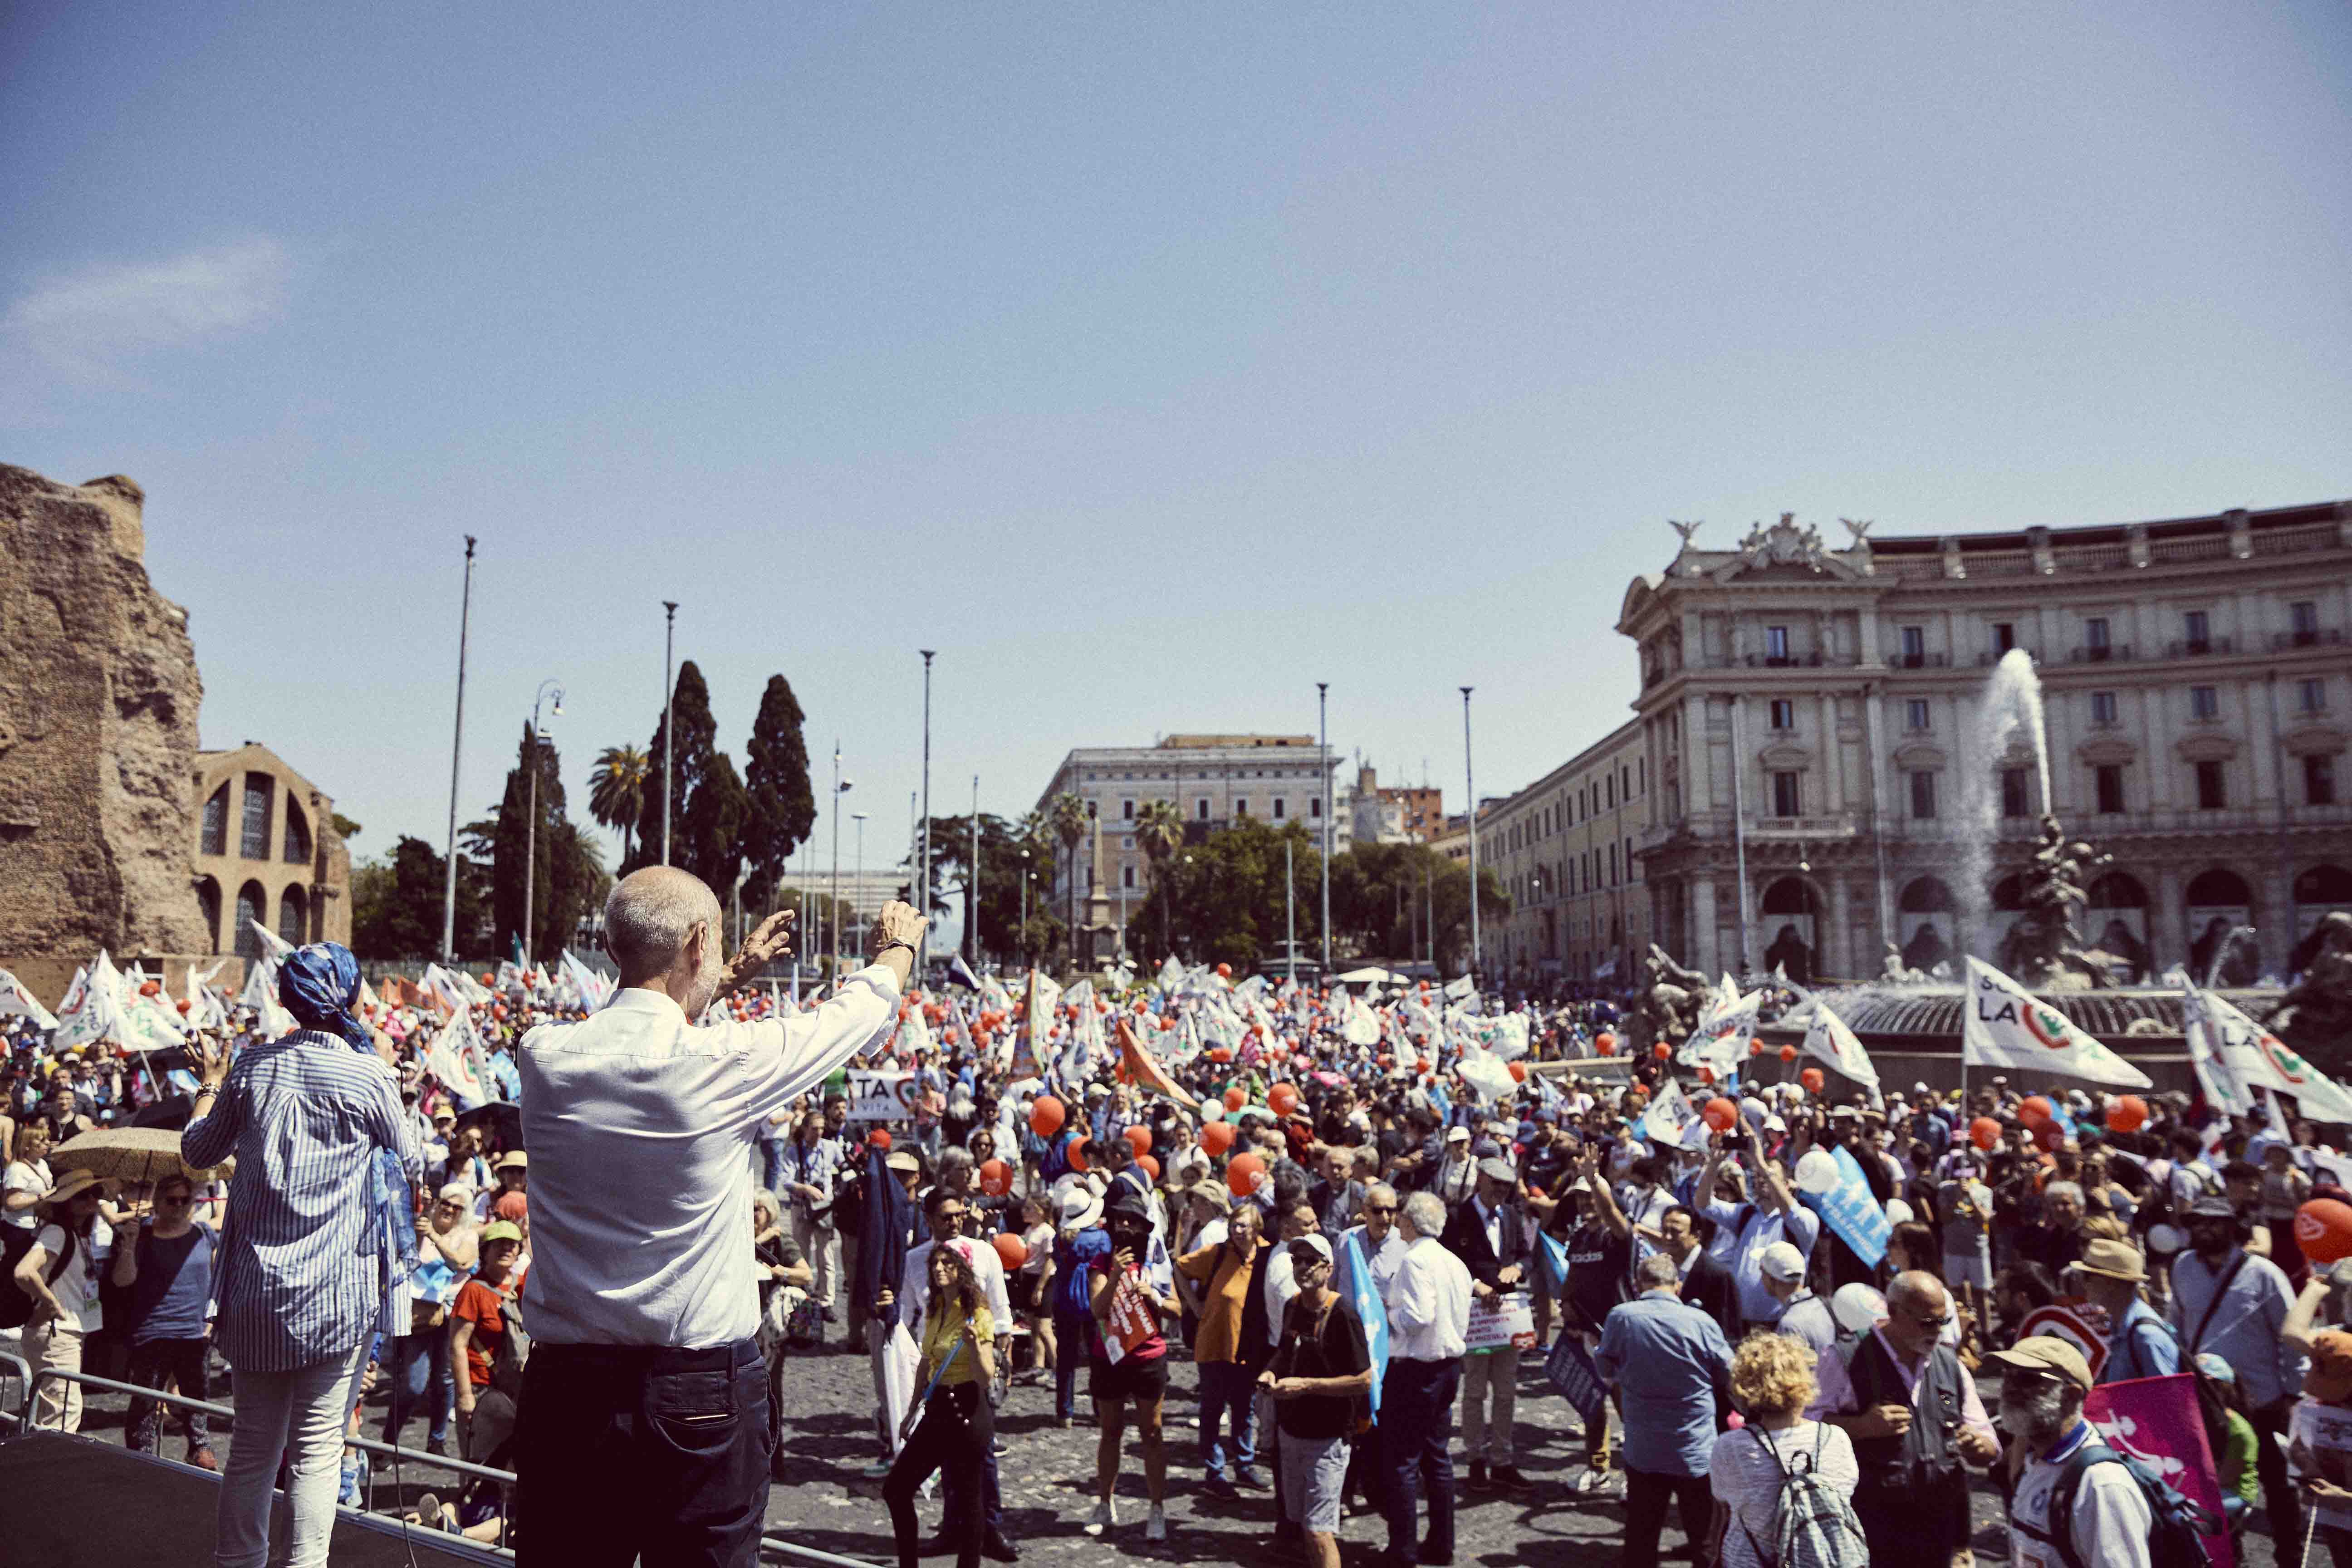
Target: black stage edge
{"x":76,"y":1502}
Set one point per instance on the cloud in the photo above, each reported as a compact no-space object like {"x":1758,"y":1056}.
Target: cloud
{"x":89,"y":323}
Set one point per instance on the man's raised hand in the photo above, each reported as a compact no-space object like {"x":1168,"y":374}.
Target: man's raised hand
{"x":771,"y":940}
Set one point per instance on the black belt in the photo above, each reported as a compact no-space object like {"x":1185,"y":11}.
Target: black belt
{"x":645,"y":1358}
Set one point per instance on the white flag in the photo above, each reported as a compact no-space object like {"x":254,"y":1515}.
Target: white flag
{"x":1721,"y":1043}
{"x":2260,"y":1060}
{"x":273,"y":944}
{"x":2205,"y":1035}
{"x":2005,"y":1025}
{"x":16,"y":1000}
{"x":92,"y":1009}
{"x":1362,"y":1028}
{"x":1828,"y":1038}
{"x":1671,"y":1120}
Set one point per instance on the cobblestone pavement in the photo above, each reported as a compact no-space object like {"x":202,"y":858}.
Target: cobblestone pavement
{"x":1047,"y":1473}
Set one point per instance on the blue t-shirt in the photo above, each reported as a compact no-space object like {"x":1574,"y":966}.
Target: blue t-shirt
{"x":174,"y":1287}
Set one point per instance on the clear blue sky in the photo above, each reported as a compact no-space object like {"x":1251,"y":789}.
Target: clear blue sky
{"x":1152,"y":363}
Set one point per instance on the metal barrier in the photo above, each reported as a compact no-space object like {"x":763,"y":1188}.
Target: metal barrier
{"x":14,"y":1418}
{"x":27,"y":1413}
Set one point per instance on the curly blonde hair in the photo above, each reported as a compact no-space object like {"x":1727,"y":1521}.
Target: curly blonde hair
{"x":1772,"y":1375}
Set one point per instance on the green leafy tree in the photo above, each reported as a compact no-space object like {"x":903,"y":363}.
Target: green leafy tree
{"x":396,"y":903}
{"x":998,"y":920}
{"x":711,"y":843}
{"x":1159,"y":829}
{"x":566,"y":870}
{"x":780,"y":807}
{"x":617,"y":791}
{"x":697,"y":739}
{"x":1387,"y":897}
{"x":1221,"y":899}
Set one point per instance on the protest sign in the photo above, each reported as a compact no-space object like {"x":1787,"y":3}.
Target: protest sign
{"x":1131,"y":1321}
{"x":1503,"y":1321}
{"x":2155,"y":1420}
{"x":881,"y":1096}
{"x":1849,"y":1210}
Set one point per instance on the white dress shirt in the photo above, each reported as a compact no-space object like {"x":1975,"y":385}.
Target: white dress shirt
{"x":639,"y":1126}
{"x":1429,"y":1304}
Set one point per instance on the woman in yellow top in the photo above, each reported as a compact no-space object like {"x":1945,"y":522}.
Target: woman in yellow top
{"x":956,"y":1426}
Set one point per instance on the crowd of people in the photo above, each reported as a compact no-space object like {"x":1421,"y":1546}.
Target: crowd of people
{"x":1372,"y":1223}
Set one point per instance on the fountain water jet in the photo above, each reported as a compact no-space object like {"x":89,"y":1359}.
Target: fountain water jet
{"x":2009,"y":709}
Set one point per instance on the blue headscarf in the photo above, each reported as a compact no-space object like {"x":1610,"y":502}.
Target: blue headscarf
{"x":319,"y":983}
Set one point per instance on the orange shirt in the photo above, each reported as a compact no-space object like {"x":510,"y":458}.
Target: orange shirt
{"x":1227,"y":1296}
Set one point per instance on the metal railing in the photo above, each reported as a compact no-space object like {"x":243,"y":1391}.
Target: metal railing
{"x":26,"y":1415}
{"x":15,"y":1419}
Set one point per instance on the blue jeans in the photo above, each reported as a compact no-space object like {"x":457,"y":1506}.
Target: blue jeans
{"x":419,"y":1367}
{"x":772,"y":1165}
{"x":1069,"y":1354}
{"x":1226,"y":1396}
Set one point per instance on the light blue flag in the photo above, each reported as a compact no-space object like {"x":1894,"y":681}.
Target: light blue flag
{"x":1849,"y":1210}
{"x":1444,"y":1106}
{"x":1554,"y":1260}
{"x":1370,"y":1310}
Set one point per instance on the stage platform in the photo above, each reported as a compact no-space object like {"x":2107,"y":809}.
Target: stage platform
{"x":77,"y":1502}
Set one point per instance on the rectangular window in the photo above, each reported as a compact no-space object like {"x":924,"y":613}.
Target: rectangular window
{"x":1315,"y":807}
{"x":1784,"y":713}
{"x":1785,"y":801}
{"x":2016,"y":797}
{"x":2319,"y":781}
{"x":1613,"y":867}
{"x":1916,"y":713}
{"x":1241,"y":806}
{"x":2204,"y":702}
{"x":1090,"y":811}
{"x":1127,"y":811}
{"x":2004,"y":637}
{"x":253,"y":841}
{"x":1776,"y":642}
{"x":1126,"y":876}
{"x":2094,"y":636}
{"x":1611,"y":793}
{"x":2211,"y":795}
{"x":2304,"y":615}
{"x":1923,"y":796}
{"x":1200,"y":809}
{"x":215,"y":840}
{"x":2310,"y":695}
{"x":1279,"y":804}
{"x":1914,"y":646}
{"x":2199,"y":630}
{"x":2110,"y":781}
{"x":2102,"y":707}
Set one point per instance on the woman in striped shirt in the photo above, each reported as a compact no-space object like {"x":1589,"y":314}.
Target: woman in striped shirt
{"x":319,"y":1232}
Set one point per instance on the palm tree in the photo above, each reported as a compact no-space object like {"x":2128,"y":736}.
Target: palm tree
{"x":1068,"y":816}
{"x":617,"y":790}
{"x":1160,"y":829}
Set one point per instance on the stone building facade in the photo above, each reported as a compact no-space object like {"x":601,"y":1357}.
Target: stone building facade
{"x":99,"y":695}
{"x":266,"y":850}
{"x":1563,"y":849}
{"x":1215,"y":781}
{"x":1826,"y":782}
{"x":1393,"y":814}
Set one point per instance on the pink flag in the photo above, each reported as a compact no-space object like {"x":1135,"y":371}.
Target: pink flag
{"x":2155,"y":1420}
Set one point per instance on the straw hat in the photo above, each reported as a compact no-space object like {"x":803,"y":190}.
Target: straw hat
{"x":70,"y":1183}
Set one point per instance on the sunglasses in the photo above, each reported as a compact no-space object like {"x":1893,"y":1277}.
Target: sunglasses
{"x":1379,"y":1208}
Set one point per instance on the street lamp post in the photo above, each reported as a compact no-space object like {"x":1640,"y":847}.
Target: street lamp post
{"x":857,"y":876}
{"x":530,"y":823}
{"x":456,"y":747}
{"x":923,"y":943}
{"x":1024,"y":909}
{"x":1323,"y":756}
{"x":1290,"y":915}
{"x":834,"y":811}
{"x":972,"y":893}
{"x":1470,"y":787}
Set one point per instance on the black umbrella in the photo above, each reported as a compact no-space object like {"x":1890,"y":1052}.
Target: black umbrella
{"x":500,"y":1122}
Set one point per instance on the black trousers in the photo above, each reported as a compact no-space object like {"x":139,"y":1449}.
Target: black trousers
{"x":953,"y":1436}
{"x":1648,"y":1495}
{"x":1904,"y":1525}
{"x":152,"y":1364}
{"x":1416,"y":1433}
{"x":2281,"y":1501}
{"x":672,"y":1445}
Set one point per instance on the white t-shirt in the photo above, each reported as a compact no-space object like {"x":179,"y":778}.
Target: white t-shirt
{"x":25,"y":1176}
{"x":75,"y":1286}
{"x":2110,"y":1520}
{"x":1747,"y":1480}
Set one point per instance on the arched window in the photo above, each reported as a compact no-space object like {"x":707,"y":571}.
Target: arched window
{"x":298,"y":836}
{"x":290,"y":923}
{"x":215,"y":839}
{"x":1927,"y":895}
{"x":208,"y":899}
{"x":252,"y":910}
{"x":2118,"y":890}
{"x":2218,"y":889}
{"x":253,"y":841}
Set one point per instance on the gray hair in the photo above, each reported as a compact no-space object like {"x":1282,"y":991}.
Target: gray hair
{"x":1657,"y":1270}
{"x":955,"y":1167}
{"x":650,"y":914}
{"x":762,"y":1198}
{"x":2063,"y":1189}
{"x":1427,"y":1211}
{"x":1378,"y":1191}
{"x":1918,"y":1287}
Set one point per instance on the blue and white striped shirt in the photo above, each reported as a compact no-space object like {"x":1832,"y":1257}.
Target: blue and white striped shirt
{"x":302,"y":1265}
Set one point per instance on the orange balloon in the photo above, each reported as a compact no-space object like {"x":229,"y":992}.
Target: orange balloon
{"x":1246,"y":1174}
{"x":1518,"y":1072}
{"x":1045,"y":1117}
{"x":2034,"y":1111}
{"x":1755,"y":1048}
{"x":2126,"y":1114}
{"x":1077,"y":1155}
{"x":1281,"y":1100}
{"x":1011,"y":1249}
{"x":1811,"y":1078}
{"x":951,"y":1035}
{"x":1224,"y":971}
{"x":2323,"y":1227}
{"x":1984,"y":1132}
{"x":995,"y":1178}
{"x":1216,"y":1137}
{"x":1150,"y":1167}
{"x":1720,"y":1114}
{"x":1662,"y":1050}
{"x":1235,"y":1099}
{"x":1788,"y":1053}
{"x":1605,"y":1043}
{"x":1139,"y":1140}
{"x":880,"y":1139}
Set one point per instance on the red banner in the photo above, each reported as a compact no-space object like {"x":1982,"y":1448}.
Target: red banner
{"x":2155,"y":1420}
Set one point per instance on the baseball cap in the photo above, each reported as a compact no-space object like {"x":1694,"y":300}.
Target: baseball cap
{"x":2046,"y":1352}
{"x":1782,"y":1261}
{"x":1458,"y":1135}
{"x":2329,"y":1377}
{"x":501,"y":1230}
{"x":1309,"y":1244}
{"x":2211,"y":1208}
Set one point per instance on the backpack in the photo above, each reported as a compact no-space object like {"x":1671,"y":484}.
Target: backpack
{"x":17,"y":1302}
{"x":1813,"y":1525}
{"x":2175,"y":1538}
{"x":513,"y":1348}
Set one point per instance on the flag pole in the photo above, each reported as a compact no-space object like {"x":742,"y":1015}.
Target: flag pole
{"x":456,"y":749}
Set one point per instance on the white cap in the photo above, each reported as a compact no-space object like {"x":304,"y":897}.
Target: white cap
{"x":1782,"y":1261}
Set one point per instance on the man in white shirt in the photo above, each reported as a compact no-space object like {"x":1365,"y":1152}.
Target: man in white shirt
{"x":645,"y":1386}
{"x":1429,"y":1320}
{"x":2068,"y":1485}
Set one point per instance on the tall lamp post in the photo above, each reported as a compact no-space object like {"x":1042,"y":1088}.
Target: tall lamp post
{"x":530,"y":823}
{"x":1024,"y":909}
{"x":923,"y":943}
{"x":834,"y":811}
{"x":857,"y":876}
{"x":972,"y":893}
{"x":1470,"y":787}
{"x":457,"y":746}
{"x":669,"y":731}
{"x":1323,"y":755}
